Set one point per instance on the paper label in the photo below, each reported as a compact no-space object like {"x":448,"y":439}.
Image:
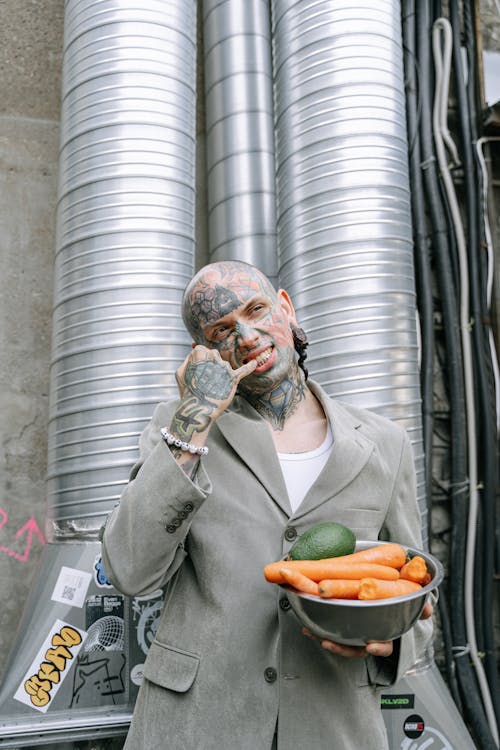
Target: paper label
{"x":71,"y":587}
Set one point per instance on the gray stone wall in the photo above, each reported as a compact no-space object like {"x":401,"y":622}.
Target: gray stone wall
{"x":31,"y":36}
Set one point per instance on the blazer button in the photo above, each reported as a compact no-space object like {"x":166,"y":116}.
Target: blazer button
{"x":290,"y":534}
{"x":285,"y":604}
{"x":171,"y":528}
{"x":270,"y":674}
{"x":188,"y":507}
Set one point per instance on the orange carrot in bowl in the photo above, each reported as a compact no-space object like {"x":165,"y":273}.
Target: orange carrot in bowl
{"x":427,"y":579}
{"x":414,"y":570}
{"x":333,"y":567}
{"x":338,"y":588}
{"x":299,"y":581}
{"x":373,"y":588}
{"x":390,"y":553}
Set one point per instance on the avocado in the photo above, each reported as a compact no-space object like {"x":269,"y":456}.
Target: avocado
{"x":327,"y":539}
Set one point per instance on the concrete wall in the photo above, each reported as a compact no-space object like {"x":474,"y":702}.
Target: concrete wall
{"x":31,"y":42}
{"x":31,"y":36}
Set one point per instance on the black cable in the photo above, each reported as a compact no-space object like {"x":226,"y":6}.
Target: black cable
{"x":485,"y":408}
{"x":436,"y":10}
{"x":423,"y":272}
{"x":451,"y":673}
{"x":473,"y":708}
{"x":470,"y":11}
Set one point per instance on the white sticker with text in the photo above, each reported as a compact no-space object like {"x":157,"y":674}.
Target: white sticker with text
{"x":71,"y":587}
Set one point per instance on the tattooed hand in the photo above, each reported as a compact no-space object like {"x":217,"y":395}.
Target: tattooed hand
{"x":207,"y":386}
{"x":205,"y":380}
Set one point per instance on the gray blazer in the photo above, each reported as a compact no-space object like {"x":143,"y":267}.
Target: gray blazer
{"x":229,"y":662}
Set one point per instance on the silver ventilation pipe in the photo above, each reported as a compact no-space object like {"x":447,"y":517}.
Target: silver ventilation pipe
{"x":344,"y":215}
{"x":345,"y":243}
{"x":125,"y":244}
{"x":240,"y":135}
{"x":125,"y":251}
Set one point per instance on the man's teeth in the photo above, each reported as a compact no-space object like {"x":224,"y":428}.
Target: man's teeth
{"x":263,"y":357}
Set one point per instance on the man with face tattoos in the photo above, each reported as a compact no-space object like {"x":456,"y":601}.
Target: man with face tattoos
{"x":249,"y":456}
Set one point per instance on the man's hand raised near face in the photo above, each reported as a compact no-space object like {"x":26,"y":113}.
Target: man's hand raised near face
{"x":207,"y":385}
{"x":211,"y":381}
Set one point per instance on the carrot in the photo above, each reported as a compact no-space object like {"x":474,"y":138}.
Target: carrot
{"x":414,"y":570}
{"x":373,"y":588}
{"x":299,"y":581}
{"x":338,"y":588}
{"x":427,"y":579}
{"x":333,"y":567}
{"x":391,"y":554}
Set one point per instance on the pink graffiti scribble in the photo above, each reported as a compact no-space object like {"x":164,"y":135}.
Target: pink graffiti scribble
{"x":30,"y":528}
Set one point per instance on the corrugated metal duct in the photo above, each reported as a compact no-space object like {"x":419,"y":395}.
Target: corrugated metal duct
{"x":344,"y":215}
{"x":240,"y":136}
{"x":125,"y":242}
{"x":125,"y":251}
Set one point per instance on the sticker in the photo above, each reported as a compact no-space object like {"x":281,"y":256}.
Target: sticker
{"x":50,"y":666}
{"x":137,"y":674}
{"x":99,"y":574}
{"x":105,"y":625}
{"x":142,"y":618}
{"x":156,"y":594}
{"x":71,"y":587}
{"x":99,"y":677}
{"x":427,"y":740}
{"x":402,"y":700}
{"x":146,"y":618}
{"x":413,"y":726}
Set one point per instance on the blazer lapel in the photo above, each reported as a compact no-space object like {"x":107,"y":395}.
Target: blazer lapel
{"x":249,"y":436}
{"x":350,"y":452}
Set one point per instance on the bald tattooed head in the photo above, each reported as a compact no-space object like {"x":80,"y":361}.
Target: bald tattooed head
{"x":218,"y":289}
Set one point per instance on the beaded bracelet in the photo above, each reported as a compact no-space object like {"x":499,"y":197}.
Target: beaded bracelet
{"x":170,"y":439}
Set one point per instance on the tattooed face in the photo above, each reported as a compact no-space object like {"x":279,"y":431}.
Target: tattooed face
{"x":232,"y":307}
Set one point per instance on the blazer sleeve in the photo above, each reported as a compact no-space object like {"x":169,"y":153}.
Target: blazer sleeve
{"x":403,"y":524}
{"x":143,"y":540}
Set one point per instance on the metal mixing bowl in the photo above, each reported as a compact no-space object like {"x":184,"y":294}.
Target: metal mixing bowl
{"x":355,"y":622}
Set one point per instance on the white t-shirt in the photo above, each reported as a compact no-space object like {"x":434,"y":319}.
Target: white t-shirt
{"x":300,"y":470}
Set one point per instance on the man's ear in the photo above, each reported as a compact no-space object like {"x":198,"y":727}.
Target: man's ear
{"x":285,"y":304}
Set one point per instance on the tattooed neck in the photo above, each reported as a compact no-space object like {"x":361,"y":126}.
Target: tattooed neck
{"x":280,"y":403}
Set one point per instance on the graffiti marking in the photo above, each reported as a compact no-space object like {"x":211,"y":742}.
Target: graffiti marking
{"x":108,"y":679}
{"x":30,"y":528}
